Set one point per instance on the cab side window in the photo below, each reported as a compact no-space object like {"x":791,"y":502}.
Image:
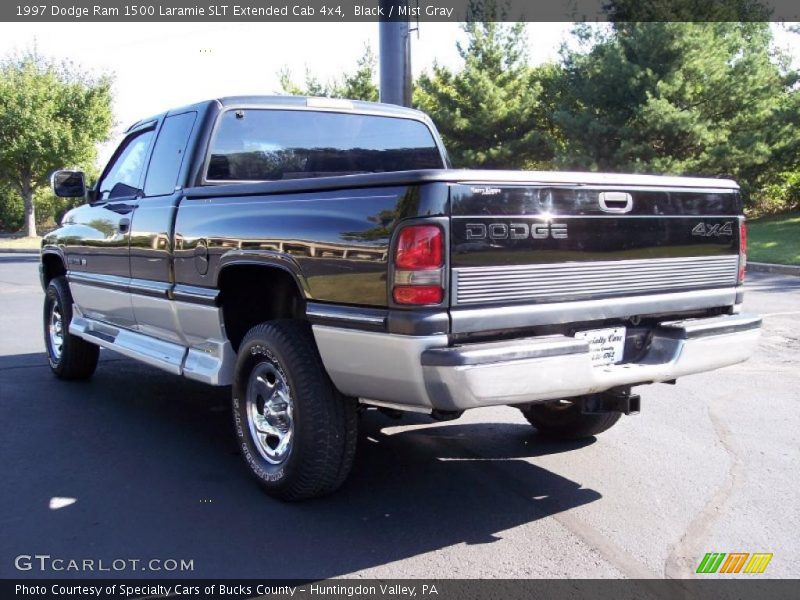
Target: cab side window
{"x":168,"y":154}
{"x":124,"y":176}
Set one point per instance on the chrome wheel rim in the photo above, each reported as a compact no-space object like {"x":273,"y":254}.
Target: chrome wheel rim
{"x":55,"y":329}
{"x":270,"y":412}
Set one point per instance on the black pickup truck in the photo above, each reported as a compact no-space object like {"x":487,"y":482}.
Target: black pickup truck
{"x":320,"y":257}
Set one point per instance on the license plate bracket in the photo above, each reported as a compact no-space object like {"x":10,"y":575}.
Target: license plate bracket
{"x":606,"y":346}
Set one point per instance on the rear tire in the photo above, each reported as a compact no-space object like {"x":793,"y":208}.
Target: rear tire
{"x":296,"y":433}
{"x":564,"y":420}
{"x":70,"y":357}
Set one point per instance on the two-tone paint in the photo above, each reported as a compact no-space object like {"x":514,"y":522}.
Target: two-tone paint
{"x":529,"y":253}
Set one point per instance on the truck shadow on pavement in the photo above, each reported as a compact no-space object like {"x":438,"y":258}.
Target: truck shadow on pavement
{"x":146,"y":467}
{"x":19,"y":258}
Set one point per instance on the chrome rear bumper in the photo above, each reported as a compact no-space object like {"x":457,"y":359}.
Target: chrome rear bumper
{"x":423,"y":373}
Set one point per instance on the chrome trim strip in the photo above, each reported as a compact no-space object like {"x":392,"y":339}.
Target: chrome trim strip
{"x":195,"y":294}
{"x":147,"y":287}
{"x":690,"y":329}
{"x":467,"y":320}
{"x":347,"y":316}
{"x":617,"y":180}
{"x":112,"y":282}
{"x":507,"y":350}
{"x":550,"y":217}
{"x":575,"y":280}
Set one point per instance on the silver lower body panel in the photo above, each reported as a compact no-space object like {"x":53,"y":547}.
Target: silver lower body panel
{"x":207,"y":359}
{"x":377,"y":366}
{"x":422,"y":372}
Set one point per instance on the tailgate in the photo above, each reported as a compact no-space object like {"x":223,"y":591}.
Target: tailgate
{"x":545,"y":243}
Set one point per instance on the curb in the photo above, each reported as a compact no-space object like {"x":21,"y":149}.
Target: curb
{"x":773,"y":268}
{"x":20,"y":250}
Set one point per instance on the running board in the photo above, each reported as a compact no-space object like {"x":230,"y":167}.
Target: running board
{"x":146,"y":349}
{"x":212,"y":363}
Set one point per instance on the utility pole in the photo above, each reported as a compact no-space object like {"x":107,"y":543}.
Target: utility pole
{"x":395,"y":56}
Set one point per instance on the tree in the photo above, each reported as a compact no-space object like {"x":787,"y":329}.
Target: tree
{"x":685,"y":98}
{"x":357,"y":85}
{"x":491,"y":113}
{"x":687,"y":10}
{"x":51,"y":116}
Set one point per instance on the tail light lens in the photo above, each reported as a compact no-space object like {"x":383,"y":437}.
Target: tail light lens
{"x":418,"y":294}
{"x":419,"y":266}
{"x":742,"y":249}
{"x":419,"y":247}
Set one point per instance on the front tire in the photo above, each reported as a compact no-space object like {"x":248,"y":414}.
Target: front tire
{"x":70,"y":357}
{"x":296,"y":433}
{"x":565,"y":419}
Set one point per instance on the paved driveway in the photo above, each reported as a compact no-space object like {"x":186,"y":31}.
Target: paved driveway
{"x":145,"y":467}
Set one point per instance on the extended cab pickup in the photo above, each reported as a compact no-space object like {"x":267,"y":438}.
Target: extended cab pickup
{"x":319,"y":256}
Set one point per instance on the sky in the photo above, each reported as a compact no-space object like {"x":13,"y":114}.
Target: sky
{"x":158,"y":66}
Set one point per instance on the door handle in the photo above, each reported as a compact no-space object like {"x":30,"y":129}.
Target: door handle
{"x":124,"y":225}
{"x":615,"y":202}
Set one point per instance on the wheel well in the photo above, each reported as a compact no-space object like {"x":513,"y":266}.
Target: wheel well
{"x":52,"y":267}
{"x":252,"y":294}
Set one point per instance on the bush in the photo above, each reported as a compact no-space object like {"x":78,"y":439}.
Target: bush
{"x":49,"y":209}
{"x":11,"y":209}
{"x":781,"y":195}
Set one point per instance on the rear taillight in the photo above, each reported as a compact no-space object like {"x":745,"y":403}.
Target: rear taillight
{"x":742,"y":249}
{"x":417,"y":294}
{"x":419,"y":247}
{"x":418,"y":265}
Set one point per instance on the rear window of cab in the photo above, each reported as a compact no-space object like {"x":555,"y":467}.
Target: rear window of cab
{"x":271,"y":145}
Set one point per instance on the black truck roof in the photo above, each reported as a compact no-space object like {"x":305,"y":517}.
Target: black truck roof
{"x":295,"y":102}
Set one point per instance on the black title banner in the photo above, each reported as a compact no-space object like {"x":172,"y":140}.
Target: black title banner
{"x":408,"y":589}
{"x":334,"y":11}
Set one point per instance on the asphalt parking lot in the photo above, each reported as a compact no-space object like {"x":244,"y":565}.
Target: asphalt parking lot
{"x":147,"y":465}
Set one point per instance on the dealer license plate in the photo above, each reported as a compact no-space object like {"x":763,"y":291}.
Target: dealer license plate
{"x":606,"y":346}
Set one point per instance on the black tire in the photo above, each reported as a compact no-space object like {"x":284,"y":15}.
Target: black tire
{"x":280,"y":359}
{"x":565,"y":420}
{"x":75,"y":358}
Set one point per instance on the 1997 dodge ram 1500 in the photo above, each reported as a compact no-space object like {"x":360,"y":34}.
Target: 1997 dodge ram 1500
{"x":319,"y":255}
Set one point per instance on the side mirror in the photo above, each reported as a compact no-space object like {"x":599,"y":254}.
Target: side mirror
{"x":68,"y":184}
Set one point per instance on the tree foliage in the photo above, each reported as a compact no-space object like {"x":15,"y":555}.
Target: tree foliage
{"x":648,"y":92}
{"x":686,"y":11}
{"x":491,"y":112}
{"x":356,"y":85}
{"x":51,"y":116}
{"x":683,"y":98}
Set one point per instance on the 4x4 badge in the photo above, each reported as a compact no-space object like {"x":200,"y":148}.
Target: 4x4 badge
{"x":713,"y":229}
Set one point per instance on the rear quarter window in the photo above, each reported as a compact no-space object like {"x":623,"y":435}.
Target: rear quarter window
{"x":269,"y":145}
{"x":168,"y":154}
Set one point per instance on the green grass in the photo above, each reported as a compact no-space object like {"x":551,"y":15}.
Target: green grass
{"x":20,"y":243}
{"x":774,"y":239}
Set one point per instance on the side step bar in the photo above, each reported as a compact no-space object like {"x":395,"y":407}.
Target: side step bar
{"x":210,"y":363}
{"x":156,"y":353}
